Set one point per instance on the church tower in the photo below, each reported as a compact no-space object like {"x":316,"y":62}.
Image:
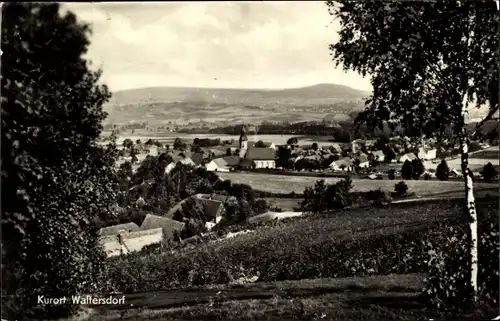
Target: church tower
{"x":243,"y":141}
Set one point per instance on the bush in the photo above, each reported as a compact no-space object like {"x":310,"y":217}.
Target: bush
{"x":407,"y":170}
{"x":324,"y":197}
{"x":448,"y":282}
{"x":401,"y":188}
{"x":489,"y":173}
{"x":418,"y":168}
{"x":379,"y":197}
{"x":443,"y":171}
{"x":260,"y":206}
{"x":392,"y":174}
{"x":427,"y":176}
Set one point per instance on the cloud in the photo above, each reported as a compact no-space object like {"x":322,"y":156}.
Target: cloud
{"x":213,"y":44}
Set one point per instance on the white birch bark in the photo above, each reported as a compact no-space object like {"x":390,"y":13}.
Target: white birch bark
{"x":470,"y":200}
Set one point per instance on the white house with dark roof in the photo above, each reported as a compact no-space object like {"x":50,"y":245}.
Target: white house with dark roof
{"x":408,"y":156}
{"x":379,"y":155}
{"x":363,"y":161}
{"x":345,"y":165}
{"x":262,"y":157}
{"x":218,"y":165}
{"x":427,"y":153}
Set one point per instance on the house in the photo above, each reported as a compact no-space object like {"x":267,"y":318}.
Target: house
{"x":214,"y":209}
{"x":378,"y":155}
{"x":197,"y":159}
{"x":336,"y":148}
{"x":169,"y":167}
{"x":344,"y":164}
{"x":168,"y":225}
{"x":408,"y":156}
{"x":218,"y":165}
{"x":187,"y":161}
{"x":117,"y":229}
{"x":427,"y":153}
{"x":261,"y":157}
{"x":265,"y":144}
{"x":363,"y":161}
{"x":245,"y":163}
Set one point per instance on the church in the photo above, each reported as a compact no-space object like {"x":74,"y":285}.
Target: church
{"x":260,"y":157}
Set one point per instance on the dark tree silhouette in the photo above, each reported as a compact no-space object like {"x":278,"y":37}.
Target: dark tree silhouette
{"x":57,"y":179}
{"x":407,"y":170}
{"x":443,"y":171}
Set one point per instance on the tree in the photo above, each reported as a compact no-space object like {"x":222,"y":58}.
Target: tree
{"x":443,"y":171}
{"x":401,"y":188}
{"x":283,"y":156}
{"x":418,"y":168}
{"x":389,"y":155}
{"x":407,"y":170}
{"x":229,"y":151}
{"x":392,"y":174}
{"x":431,"y":74}
{"x":128,"y":143}
{"x":489,"y":173}
{"x":260,"y":206}
{"x":179,"y":144}
{"x":315,"y":146}
{"x":292,"y":141}
{"x":260,"y":144}
{"x":57,"y":179}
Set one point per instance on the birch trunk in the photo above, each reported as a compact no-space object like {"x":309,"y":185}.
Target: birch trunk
{"x":471,"y":203}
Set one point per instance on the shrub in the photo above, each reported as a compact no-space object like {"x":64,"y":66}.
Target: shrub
{"x":427,"y":176}
{"x":448,"y":282}
{"x":260,"y":206}
{"x":489,"y":172}
{"x":418,"y":168}
{"x":407,"y":170}
{"x":392,"y":174}
{"x":401,"y":188}
{"x":379,"y":197}
{"x":443,"y":171}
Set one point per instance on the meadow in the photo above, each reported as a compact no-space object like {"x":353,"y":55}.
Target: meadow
{"x":297,"y":184}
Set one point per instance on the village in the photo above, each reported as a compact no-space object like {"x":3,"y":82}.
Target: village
{"x":374,"y":159}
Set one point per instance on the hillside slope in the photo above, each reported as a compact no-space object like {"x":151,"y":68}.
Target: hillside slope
{"x":213,"y":105}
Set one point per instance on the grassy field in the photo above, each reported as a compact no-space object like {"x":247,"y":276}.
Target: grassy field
{"x":297,"y":184}
{"x":490,"y":153}
{"x":389,"y":297}
{"x":286,"y":204}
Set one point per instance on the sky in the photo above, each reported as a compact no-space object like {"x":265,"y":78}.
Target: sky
{"x":213,"y":44}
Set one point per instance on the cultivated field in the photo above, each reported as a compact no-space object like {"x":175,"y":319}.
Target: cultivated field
{"x":297,"y":184}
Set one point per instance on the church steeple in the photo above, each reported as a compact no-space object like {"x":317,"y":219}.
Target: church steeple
{"x":243,"y":138}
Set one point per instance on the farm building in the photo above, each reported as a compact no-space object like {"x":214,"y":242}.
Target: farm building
{"x":218,"y":165}
{"x":344,"y":164}
{"x":379,"y":155}
{"x":408,"y":156}
{"x":168,"y":225}
{"x":363,"y":161}
{"x":197,"y":159}
{"x":427,"y":153}
{"x":261,"y":157}
{"x":116,"y":229}
{"x":214,"y":209}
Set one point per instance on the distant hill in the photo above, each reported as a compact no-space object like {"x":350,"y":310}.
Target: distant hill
{"x":213,"y":105}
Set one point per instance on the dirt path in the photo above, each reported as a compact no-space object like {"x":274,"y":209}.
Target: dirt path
{"x":173,"y":298}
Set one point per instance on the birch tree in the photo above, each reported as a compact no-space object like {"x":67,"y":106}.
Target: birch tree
{"x":429,"y":63}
